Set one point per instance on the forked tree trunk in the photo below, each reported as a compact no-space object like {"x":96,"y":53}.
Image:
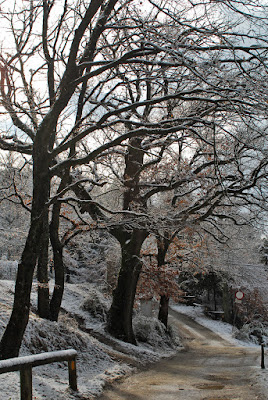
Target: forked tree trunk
{"x":120,"y":314}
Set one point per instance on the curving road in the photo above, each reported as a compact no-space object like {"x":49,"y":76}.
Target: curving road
{"x":208,"y":368}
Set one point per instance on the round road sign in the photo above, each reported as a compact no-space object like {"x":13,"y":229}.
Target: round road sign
{"x":239,"y":295}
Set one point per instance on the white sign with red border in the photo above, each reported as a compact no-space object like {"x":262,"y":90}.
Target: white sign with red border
{"x":239,"y":295}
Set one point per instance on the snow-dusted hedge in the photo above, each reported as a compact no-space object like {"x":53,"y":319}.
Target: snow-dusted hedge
{"x":254,"y":331}
{"x":8,"y":269}
{"x":153,"y":332}
{"x":43,"y":336}
{"x":96,"y":304}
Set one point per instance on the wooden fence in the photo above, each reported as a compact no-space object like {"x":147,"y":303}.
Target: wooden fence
{"x":25,"y":365}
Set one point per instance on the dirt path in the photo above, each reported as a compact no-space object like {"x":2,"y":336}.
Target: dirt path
{"x":209,"y":368}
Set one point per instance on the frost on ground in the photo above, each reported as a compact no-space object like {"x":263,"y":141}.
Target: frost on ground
{"x":226,"y":331}
{"x":229,"y":333}
{"x":101,"y":359}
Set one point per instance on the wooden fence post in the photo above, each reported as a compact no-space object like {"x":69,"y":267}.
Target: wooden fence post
{"x":72,"y":374}
{"x":26,"y":391}
{"x":262,"y":356}
{"x":25,"y":365}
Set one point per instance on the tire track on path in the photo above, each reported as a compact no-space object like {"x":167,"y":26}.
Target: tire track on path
{"x":207,"y":368}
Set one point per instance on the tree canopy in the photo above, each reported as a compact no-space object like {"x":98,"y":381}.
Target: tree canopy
{"x":170,"y":98}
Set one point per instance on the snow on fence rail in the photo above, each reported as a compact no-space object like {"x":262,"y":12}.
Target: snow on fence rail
{"x":25,"y":365}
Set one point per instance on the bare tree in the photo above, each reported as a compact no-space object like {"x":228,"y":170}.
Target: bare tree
{"x":107,"y":79}
{"x":39,"y":104}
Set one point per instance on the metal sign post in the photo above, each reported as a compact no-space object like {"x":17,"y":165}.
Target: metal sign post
{"x":239,"y":295}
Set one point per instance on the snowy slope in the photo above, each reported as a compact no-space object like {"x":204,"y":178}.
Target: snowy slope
{"x":98,"y":362}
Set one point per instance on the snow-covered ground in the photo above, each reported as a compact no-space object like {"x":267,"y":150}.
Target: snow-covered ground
{"x":101,"y":359}
{"x":223,"y":329}
{"x":98,"y":361}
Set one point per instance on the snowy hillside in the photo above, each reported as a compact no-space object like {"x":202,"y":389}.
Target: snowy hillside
{"x":99,"y":361}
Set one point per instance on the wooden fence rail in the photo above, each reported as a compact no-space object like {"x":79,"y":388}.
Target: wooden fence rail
{"x":25,"y":365}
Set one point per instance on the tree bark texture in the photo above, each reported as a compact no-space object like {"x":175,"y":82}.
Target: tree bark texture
{"x":42,"y":273}
{"x":57,"y":247}
{"x":162,"y":248}
{"x":12,"y":338}
{"x":134,"y":161}
{"x":120,"y":313}
{"x":56,"y":299}
{"x":163,"y":310}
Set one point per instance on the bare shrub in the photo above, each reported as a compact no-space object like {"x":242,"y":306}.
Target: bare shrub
{"x":96,"y":304}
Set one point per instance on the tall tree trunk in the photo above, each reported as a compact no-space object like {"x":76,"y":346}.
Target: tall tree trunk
{"x":163,"y":310}
{"x":12,"y":337}
{"x":163,"y":243}
{"x":42,"y":274}
{"x":227,"y":304}
{"x":56,"y":299}
{"x":215,"y":299}
{"x":11,"y":340}
{"x":57,"y":247}
{"x":120,"y":314}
